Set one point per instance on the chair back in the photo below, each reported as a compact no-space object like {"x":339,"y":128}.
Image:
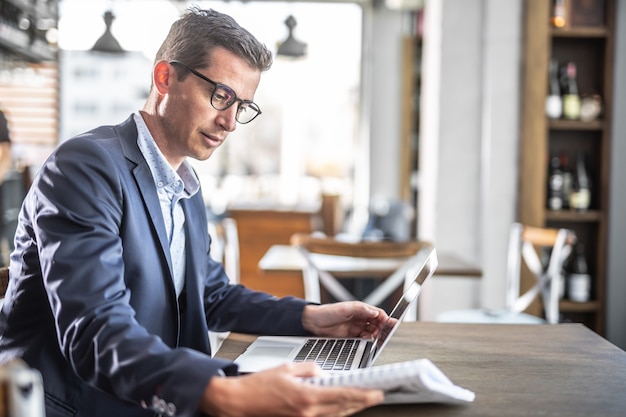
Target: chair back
{"x":524,"y":243}
{"x":225,"y":246}
{"x":328,"y":259}
{"x":224,"y":249}
{"x":360,"y":249}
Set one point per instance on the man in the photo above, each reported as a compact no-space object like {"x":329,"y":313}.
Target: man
{"x":112,"y":289}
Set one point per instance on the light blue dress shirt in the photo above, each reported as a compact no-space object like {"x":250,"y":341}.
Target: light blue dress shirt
{"x":172,"y":186}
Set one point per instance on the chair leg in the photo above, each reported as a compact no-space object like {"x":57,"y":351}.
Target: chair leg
{"x":311,"y":285}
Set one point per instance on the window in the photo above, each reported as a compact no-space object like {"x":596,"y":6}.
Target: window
{"x":305,"y":141}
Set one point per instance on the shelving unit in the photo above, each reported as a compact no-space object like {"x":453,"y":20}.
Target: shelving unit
{"x":591,"y":48}
{"x":411,"y":84}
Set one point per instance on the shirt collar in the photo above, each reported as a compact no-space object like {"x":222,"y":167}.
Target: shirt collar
{"x":184,"y":179}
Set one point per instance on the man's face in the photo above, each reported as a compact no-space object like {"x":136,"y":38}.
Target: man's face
{"x":189,"y":125}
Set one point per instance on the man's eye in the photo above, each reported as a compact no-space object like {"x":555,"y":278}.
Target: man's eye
{"x":223,"y":96}
{"x":220,"y":97}
{"x":243,"y":108}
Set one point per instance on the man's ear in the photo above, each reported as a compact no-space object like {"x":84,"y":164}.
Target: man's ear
{"x":161,"y":76}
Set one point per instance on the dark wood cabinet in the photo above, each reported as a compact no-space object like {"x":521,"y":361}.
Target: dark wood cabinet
{"x":588,"y":42}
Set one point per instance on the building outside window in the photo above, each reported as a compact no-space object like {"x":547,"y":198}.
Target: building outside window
{"x":304,"y":143}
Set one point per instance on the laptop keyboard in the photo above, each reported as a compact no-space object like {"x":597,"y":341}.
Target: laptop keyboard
{"x":329,"y":354}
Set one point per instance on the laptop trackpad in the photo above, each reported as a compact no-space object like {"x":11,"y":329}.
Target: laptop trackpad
{"x":270,"y":353}
{"x":258,"y":358}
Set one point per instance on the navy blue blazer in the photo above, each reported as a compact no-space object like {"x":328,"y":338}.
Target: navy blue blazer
{"x":91,"y":302}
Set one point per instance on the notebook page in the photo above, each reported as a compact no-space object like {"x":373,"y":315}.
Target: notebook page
{"x":417,"y":381}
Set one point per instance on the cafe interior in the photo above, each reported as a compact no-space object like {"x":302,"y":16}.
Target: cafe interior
{"x":384,"y":122}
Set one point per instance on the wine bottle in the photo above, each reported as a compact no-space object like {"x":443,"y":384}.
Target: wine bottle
{"x":580,"y":196}
{"x":571,"y":96}
{"x":554,"y":101}
{"x":555,"y":185}
{"x":579,"y":280}
{"x":545,"y":253}
{"x":567,"y":178}
{"x":558,"y":14}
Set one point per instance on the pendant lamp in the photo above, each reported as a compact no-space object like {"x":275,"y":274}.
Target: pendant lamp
{"x":107,"y":42}
{"x":291,"y":47}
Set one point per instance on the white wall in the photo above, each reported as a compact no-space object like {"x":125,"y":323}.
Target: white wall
{"x":616,"y":329}
{"x":502,"y":37}
{"x":388,"y":28}
{"x":469,"y":137}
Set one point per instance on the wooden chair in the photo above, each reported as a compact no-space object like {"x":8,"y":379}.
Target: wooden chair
{"x":524,"y":242}
{"x":329,"y":259}
{"x":224,"y":249}
{"x":225,"y":246}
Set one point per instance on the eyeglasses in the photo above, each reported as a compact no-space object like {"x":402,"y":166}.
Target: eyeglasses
{"x":223,"y":97}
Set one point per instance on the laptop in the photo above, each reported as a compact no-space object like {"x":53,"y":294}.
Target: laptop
{"x":338,"y":354}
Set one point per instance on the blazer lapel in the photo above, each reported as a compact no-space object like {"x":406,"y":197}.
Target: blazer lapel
{"x":145,"y":183}
{"x":151,"y":200}
{"x":194,"y":331}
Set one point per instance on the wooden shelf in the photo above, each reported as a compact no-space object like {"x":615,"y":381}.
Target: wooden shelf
{"x":591,"y":49}
{"x":574,"y":216}
{"x":561,"y":124}
{"x":580,"y":32}
{"x":566,"y":306}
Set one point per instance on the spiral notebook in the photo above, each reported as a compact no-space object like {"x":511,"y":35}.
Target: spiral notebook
{"x":337,"y":354}
{"x":416,"y":381}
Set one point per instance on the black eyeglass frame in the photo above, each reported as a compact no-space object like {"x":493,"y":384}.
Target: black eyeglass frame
{"x":251,"y":104}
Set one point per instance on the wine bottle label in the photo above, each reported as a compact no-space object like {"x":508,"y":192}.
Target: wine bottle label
{"x":573,"y":199}
{"x":567,"y":189}
{"x":571,"y":106}
{"x":579,"y":287}
{"x":590,"y":108}
{"x":555,"y":203}
{"x":554,"y":107}
{"x":580,"y":199}
{"x":584,"y":199}
{"x":555,"y":198}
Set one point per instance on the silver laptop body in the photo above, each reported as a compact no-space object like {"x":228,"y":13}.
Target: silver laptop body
{"x":330,"y":353}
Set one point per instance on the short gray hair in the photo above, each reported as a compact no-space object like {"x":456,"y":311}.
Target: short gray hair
{"x":198,"y":32}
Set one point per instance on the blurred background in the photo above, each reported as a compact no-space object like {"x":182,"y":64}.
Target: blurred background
{"x":436,"y":106}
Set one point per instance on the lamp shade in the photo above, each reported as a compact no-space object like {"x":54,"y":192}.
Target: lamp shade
{"x":107,"y":42}
{"x":291,"y":47}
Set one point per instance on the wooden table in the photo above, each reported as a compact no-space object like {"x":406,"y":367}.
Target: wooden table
{"x":515,"y":370}
{"x":286,"y":258}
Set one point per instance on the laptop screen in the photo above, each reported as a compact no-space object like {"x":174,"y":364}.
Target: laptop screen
{"x":425,"y":270}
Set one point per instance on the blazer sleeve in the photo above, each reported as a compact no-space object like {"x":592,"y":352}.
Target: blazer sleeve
{"x":77,"y":209}
{"x":237,"y":308}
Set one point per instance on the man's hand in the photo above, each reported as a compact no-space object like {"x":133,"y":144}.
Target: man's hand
{"x":344,"y":319}
{"x":280,"y":392}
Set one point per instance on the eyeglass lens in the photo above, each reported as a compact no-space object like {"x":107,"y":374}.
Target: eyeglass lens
{"x":223,"y":97}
